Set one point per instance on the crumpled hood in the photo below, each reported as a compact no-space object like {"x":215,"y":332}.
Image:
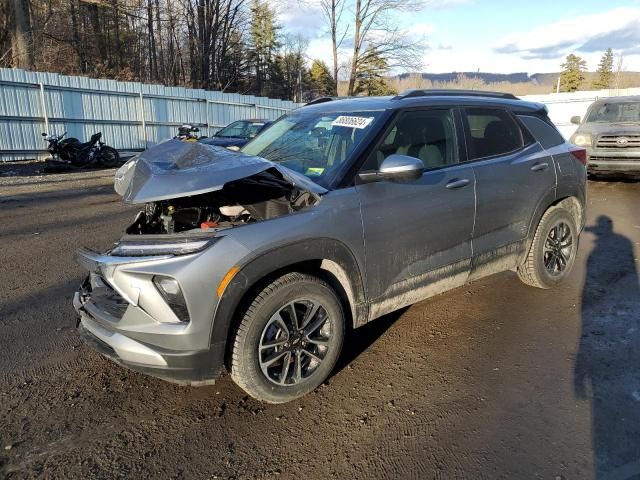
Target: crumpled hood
{"x":176,"y":169}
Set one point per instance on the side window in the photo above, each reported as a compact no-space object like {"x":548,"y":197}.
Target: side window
{"x":493,"y":132}
{"x":543,"y":132}
{"x":428,"y":135}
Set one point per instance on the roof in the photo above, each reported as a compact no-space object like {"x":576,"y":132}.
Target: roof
{"x":423,"y":98}
{"x":630,"y":98}
{"x":255,"y":120}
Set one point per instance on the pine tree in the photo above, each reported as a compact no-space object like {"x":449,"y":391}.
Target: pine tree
{"x":605,"y":71}
{"x":572,"y":74}
{"x":322,"y":83}
{"x":263,"y":31}
{"x":369,"y":78}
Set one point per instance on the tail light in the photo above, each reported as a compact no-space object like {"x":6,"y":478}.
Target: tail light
{"x":580,"y":154}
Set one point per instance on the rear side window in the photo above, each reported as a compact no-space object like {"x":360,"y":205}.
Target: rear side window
{"x":493,"y":132}
{"x":545,"y":133}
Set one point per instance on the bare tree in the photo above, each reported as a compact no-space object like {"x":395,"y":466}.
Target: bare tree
{"x":375,"y":33}
{"x":619,"y":70}
{"x":22,"y":35}
{"x":333,"y":10}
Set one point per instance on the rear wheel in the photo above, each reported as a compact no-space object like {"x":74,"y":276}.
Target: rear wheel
{"x":289,"y":339}
{"x":109,"y":157}
{"x":553,"y":250}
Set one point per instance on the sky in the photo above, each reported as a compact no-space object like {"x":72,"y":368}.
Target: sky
{"x":499,"y":36}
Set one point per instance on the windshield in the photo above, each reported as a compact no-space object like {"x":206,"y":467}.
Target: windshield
{"x":241,"y":129}
{"x":615,"y":112}
{"x":314,"y":144}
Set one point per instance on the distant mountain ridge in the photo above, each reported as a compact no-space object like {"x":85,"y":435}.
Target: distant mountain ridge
{"x":487,"y":77}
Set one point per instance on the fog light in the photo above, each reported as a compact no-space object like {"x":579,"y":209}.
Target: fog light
{"x":170,"y":290}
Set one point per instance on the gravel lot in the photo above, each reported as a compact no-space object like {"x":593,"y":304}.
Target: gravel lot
{"x":493,"y":380}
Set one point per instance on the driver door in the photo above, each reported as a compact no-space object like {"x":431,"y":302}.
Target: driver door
{"x":417,"y":234}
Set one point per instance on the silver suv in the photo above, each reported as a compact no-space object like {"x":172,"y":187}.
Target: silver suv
{"x":610,"y":132}
{"x":340,"y":212}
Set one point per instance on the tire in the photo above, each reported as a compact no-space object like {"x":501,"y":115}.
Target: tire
{"x":550,"y":260}
{"x":261,"y":337}
{"x":109,"y":157}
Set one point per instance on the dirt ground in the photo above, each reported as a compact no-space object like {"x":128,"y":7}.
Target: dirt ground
{"x":493,"y":380}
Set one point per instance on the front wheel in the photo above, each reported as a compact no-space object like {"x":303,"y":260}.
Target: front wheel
{"x":289,"y":339}
{"x":109,"y":157}
{"x":553,"y":250}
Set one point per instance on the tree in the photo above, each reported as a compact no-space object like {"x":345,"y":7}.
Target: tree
{"x":572,"y":75}
{"x":370,"y":80}
{"x":605,"y":71}
{"x":227,"y":45}
{"x":322,"y":82}
{"x":619,"y":71}
{"x":22,"y":34}
{"x":376,"y":30}
{"x":333,"y":10}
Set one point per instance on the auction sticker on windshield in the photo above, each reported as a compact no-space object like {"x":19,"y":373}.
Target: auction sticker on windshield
{"x":353,"y":122}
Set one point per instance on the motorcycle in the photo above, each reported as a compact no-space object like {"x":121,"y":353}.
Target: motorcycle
{"x":188,"y":133}
{"x":70,"y":153}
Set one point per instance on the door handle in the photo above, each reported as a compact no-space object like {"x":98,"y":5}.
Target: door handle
{"x":457,"y":183}
{"x":537,"y":167}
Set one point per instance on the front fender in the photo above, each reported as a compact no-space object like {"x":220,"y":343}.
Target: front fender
{"x":333,"y":252}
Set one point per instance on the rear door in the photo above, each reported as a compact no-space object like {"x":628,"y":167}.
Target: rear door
{"x":514,"y":174}
{"x":418,"y":234}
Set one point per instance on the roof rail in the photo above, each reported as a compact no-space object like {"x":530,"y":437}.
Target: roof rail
{"x":315,"y":101}
{"x":453,"y":92}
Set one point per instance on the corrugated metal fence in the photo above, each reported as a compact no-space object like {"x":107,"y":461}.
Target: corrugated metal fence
{"x":131,"y":116}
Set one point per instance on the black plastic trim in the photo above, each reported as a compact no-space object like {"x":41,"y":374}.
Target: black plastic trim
{"x":279,"y":259}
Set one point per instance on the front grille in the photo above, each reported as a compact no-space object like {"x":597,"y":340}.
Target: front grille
{"x":595,"y":159}
{"x":618,"y":141}
{"x":106,"y":298}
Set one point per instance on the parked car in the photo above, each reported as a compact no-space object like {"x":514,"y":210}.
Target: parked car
{"x":610,"y":132}
{"x":237,"y":134}
{"x":339,"y":213}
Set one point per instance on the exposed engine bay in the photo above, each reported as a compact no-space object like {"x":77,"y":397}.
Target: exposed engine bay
{"x":259,"y":197}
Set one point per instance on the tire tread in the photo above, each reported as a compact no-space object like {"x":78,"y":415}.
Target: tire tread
{"x":241,"y":375}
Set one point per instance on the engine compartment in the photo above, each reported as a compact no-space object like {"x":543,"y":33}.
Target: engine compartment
{"x":256,"y":198}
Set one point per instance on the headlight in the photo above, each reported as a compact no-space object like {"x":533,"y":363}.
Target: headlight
{"x":182,"y":246}
{"x":582,"y":140}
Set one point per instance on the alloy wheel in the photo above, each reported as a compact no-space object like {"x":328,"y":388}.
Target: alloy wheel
{"x":558,"y":248}
{"x":294,"y":342}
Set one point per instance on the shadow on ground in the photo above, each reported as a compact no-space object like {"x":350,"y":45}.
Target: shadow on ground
{"x":607,"y":370}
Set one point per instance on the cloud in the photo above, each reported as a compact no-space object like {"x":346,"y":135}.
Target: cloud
{"x":302,"y":17}
{"x":624,"y":38}
{"x":618,"y":28}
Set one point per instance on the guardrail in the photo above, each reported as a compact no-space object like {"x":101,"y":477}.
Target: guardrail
{"x":132,"y":116}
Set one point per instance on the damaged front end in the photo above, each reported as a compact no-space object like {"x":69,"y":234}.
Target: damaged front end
{"x":141,"y":304}
{"x":191,"y":186}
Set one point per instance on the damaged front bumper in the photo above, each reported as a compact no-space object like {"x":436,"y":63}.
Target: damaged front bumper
{"x":123,"y":315}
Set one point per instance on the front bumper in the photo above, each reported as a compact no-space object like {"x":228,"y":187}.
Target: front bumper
{"x":621,"y":161}
{"x":122,"y":315}
{"x":184,"y":367}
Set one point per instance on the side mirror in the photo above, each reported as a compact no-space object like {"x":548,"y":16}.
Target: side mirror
{"x":576,"y":119}
{"x":395,"y":168}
